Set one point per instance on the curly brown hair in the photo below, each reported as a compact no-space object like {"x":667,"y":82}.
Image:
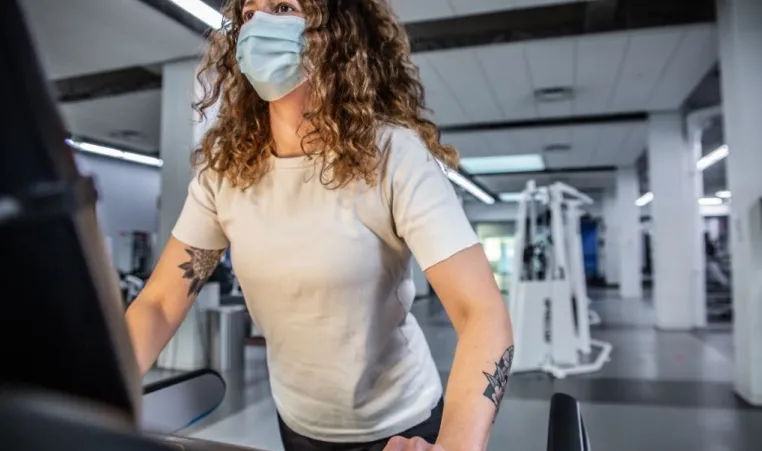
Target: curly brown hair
{"x":361,"y":77}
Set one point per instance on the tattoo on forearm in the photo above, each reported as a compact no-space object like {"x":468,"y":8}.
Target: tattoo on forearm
{"x":499,"y":380}
{"x":200,"y":266}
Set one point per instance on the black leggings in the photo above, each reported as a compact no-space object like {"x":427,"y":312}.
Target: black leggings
{"x":428,"y":430}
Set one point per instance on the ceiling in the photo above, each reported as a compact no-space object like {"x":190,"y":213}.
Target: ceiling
{"x":131,"y":121}
{"x":590,"y":182}
{"x":482,"y":96}
{"x":641,"y":70}
{"x":617,"y":144}
{"x":420,"y":10}
{"x":76,"y":37}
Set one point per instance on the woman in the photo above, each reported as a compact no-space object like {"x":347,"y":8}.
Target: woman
{"x":321,"y":175}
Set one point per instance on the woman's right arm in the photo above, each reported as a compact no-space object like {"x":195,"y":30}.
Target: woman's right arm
{"x":157,"y":312}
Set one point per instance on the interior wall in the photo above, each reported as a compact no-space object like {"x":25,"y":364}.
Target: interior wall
{"x":127,"y":192}
{"x":507,"y":211}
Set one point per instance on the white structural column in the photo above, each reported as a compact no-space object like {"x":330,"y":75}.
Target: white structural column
{"x":610,"y":255}
{"x":177,"y":141}
{"x":740,"y":32}
{"x":672,"y":169}
{"x":180,"y":132}
{"x":629,"y":239}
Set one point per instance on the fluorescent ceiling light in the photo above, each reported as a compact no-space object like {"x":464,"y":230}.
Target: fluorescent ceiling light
{"x":510,"y":197}
{"x":645,"y":199}
{"x":115,"y":153}
{"x":458,"y":179}
{"x":540,"y":195}
{"x":710,"y":201}
{"x":201,"y":11}
{"x":712,"y":157}
{"x":723,"y":194}
{"x":505,"y":163}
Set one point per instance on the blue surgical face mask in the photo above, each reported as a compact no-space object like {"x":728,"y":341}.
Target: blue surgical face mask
{"x":269,"y":54}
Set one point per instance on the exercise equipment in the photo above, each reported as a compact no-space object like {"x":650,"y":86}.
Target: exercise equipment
{"x":70,"y":381}
{"x":548,"y":296}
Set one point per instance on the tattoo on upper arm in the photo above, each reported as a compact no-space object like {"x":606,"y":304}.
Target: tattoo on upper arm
{"x":499,"y":379}
{"x":200,"y":266}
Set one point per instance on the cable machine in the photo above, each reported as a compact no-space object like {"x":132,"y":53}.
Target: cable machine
{"x":548,"y":297}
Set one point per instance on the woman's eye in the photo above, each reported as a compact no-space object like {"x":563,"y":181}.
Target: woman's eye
{"x":248,"y":15}
{"x":283,"y":8}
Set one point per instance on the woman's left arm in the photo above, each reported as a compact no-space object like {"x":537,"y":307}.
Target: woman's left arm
{"x":467,"y":289}
{"x":466,"y":286}
{"x":431,"y":221}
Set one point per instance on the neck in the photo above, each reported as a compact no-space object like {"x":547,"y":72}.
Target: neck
{"x":287,"y":122}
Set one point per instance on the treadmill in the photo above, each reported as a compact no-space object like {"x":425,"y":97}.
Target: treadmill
{"x":69,"y":380}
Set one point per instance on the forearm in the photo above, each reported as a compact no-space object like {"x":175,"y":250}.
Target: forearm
{"x":476,"y":383}
{"x":150,"y":331}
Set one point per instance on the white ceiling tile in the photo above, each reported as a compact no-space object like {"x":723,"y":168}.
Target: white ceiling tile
{"x":538,"y":3}
{"x":634,"y":146}
{"x":470,"y":144}
{"x":461,"y":72}
{"x":421,"y":10}
{"x":610,"y":144}
{"x":556,"y":135}
{"x":439,"y":99}
{"x":584,"y":142}
{"x":502,"y":143}
{"x":76,"y":37}
{"x":556,"y":160}
{"x":528,"y":140}
{"x":551,"y":65}
{"x":507,"y":73}
{"x":696,"y":55}
{"x":104,"y":118}
{"x":648,"y":53}
{"x":463,"y":7}
{"x":584,"y":181}
{"x":599,"y":60}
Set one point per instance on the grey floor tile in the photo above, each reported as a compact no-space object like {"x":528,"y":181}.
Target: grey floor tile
{"x":655,"y":355}
{"x":522,"y":425}
{"x":660,"y":391}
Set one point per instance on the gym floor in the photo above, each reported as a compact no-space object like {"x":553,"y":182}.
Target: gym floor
{"x":661,"y":391}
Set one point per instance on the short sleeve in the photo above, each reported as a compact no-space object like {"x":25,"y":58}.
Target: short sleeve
{"x":199,"y":225}
{"x":427,"y":213}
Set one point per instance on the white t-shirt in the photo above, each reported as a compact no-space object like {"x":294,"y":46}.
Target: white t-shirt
{"x":327,"y":279}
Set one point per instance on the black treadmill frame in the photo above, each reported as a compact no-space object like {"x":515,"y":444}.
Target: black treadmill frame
{"x":63,"y":330}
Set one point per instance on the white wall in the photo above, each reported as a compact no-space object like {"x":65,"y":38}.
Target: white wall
{"x":479,"y":212}
{"x":127,"y":193}
{"x":507,"y":211}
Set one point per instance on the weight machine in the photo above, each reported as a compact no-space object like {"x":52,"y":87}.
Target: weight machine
{"x":548,"y":296}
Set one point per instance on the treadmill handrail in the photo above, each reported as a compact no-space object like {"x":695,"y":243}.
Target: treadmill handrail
{"x":179,"y":379}
{"x":566,"y":429}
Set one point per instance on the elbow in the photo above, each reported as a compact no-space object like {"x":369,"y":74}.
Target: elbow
{"x":493,"y":319}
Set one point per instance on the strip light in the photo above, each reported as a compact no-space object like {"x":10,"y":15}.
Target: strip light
{"x":458,"y":179}
{"x":115,"y":153}
{"x":645,"y":199}
{"x":723,"y":194}
{"x":712,"y":157}
{"x":710,"y":201}
{"x":648,"y":197}
{"x":540,"y":196}
{"x":463,"y":182}
{"x":201,"y":11}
